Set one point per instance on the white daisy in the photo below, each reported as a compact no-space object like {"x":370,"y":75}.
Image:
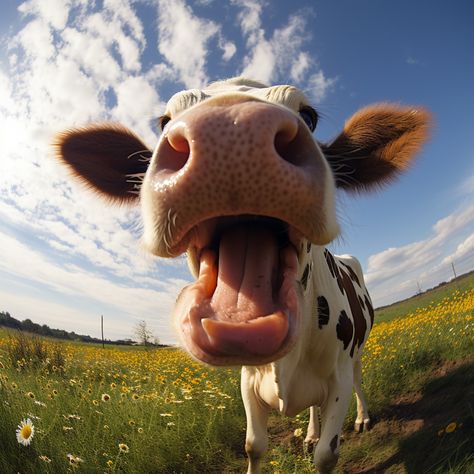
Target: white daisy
{"x":25,"y":432}
{"x":74,"y":461}
{"x":123,"y":448}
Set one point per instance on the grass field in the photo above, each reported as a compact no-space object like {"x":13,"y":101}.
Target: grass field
{"x":402,"y":308}
{"x":136,"y":411}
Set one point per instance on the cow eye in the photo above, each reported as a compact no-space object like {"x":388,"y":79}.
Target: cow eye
{"x":162,"y":121}
{"x":309,"y":116}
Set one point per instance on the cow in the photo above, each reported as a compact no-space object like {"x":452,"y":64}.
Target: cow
{"x":238,"y":182}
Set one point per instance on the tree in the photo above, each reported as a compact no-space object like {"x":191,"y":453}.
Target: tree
{"x":143,"y":333}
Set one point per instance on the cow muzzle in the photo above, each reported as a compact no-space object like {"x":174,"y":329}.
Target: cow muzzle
{"x":237,"y":183}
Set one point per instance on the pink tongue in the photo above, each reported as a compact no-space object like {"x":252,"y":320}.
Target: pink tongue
{"x":248,"y":271}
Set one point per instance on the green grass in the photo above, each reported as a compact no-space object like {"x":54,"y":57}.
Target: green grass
{"x":178,"y":416}
{"x":172,"y":414}
{"x":434,"y":296}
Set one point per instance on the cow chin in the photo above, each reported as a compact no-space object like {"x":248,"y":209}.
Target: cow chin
{"x":243,"y":308}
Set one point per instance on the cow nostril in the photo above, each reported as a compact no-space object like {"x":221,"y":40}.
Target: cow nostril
{"x":288,"y":147}
{"x":173,"y":153}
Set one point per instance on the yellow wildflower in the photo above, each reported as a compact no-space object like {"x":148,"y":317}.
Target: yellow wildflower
{"x":451,"y":427}
{"x":123,"y":448}
{"x":298,"y":432}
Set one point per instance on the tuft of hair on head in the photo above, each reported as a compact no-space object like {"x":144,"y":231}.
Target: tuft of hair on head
{"x":237,"y":81}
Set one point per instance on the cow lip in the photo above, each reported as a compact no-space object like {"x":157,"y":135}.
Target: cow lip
{"x":200,"y":327}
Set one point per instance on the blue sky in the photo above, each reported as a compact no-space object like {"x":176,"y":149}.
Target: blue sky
{"x":65,"y":258}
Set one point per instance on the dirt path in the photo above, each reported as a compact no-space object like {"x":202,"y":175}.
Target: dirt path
{"x":410,"y":435}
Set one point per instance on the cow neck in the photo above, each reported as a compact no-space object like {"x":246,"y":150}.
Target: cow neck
{"x":290,"y":373}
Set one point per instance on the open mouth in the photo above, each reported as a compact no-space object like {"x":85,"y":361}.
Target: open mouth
{"x":243,"y":307}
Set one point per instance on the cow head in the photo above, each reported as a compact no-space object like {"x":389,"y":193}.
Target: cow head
{"x":239,"y":183}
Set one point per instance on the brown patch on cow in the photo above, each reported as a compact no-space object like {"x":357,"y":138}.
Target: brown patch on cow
{"x":304,"y":277}
{"x":333,"y":443}
{"x":323,"y":311}
{"x":334,"y":269}
{"x":360,"y":324}
{"x":370,"y":309}
{"x":344,"y":281}
{"x":352,"y":273}
{"x":344,"y":329}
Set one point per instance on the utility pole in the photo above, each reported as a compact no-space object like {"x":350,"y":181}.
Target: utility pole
{"x":102,"y":329}
{"x":419,"y":288}
{"x":454,"y":270}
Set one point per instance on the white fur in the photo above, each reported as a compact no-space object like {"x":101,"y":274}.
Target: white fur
{"x":316,"y":373}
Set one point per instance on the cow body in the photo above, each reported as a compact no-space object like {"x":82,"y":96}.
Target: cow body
{"x":238,"y":182}
{"x":323,"y":367}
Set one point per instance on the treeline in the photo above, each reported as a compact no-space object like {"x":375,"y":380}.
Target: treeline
{"x":28,"y":325}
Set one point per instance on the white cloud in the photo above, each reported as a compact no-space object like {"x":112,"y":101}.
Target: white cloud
{"x":463,"y":251}
{"x":36,"y":33}
{"x":249,"y":17}
{"x":128,"y":300}
{"x":466,"y":188}
{"x":54,"y":12}
{"x":281,"y":55}
{"x":228,"y":48}
{"x":261,"y":65}
{"x":412,"y":61}
{"x":300,"y":66}
{"x":261,"y":61}
{"x":449,"y":225}
{"x":396,"y":273}
{"x":63,"y":86}
{"x":123,"y":12}
{"x":183,"y":39}
{"x":136,"y":94}
{"x":112,"y":27}
{"x":6,"y":102}
{"x":319,"y":86}
{"x":92,"y":54}
{"x":288,"y":40}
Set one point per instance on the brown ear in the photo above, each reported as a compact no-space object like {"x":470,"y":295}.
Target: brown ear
{"x":108,"y":158}
{"x":376,"y":145}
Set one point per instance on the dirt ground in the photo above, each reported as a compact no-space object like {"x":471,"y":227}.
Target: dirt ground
{"x":410,"y":435}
